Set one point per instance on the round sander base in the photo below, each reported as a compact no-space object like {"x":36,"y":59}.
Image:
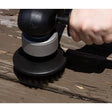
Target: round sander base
{"x":35,"y":72}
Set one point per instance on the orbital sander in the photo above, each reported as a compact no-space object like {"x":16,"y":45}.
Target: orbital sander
{"x":40,"y":60}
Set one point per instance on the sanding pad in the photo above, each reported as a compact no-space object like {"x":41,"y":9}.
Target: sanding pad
{"x":35,"y":72}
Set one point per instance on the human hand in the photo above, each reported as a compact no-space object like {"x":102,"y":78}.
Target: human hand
{"x":91,"y":25}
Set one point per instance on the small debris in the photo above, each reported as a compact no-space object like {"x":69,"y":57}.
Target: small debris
{"x":80,"y":87}
{"x":2,"y":52}
{"x":10,"y":35}
{"x":9,"y":54}
{"x":18,"y":37}
{"x":18,"y":31}
{"x":108,"y":83}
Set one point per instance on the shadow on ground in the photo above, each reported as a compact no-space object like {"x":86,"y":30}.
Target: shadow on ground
{"x":90,"y":59}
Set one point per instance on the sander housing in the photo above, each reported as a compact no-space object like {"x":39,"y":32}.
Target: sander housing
{"x":40,"y":59}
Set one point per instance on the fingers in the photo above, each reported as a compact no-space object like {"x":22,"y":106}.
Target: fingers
{"x":75,"y":35}
{"x":78,"y":35}
{"x":87,"y":36}
{"x":96,"y":38}
{"x":107,"y":38}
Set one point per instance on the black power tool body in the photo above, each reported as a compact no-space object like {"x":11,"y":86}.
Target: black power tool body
{"x":40,"y":59}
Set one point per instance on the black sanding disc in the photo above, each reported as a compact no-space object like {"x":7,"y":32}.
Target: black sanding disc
{"x":34,"y":71}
